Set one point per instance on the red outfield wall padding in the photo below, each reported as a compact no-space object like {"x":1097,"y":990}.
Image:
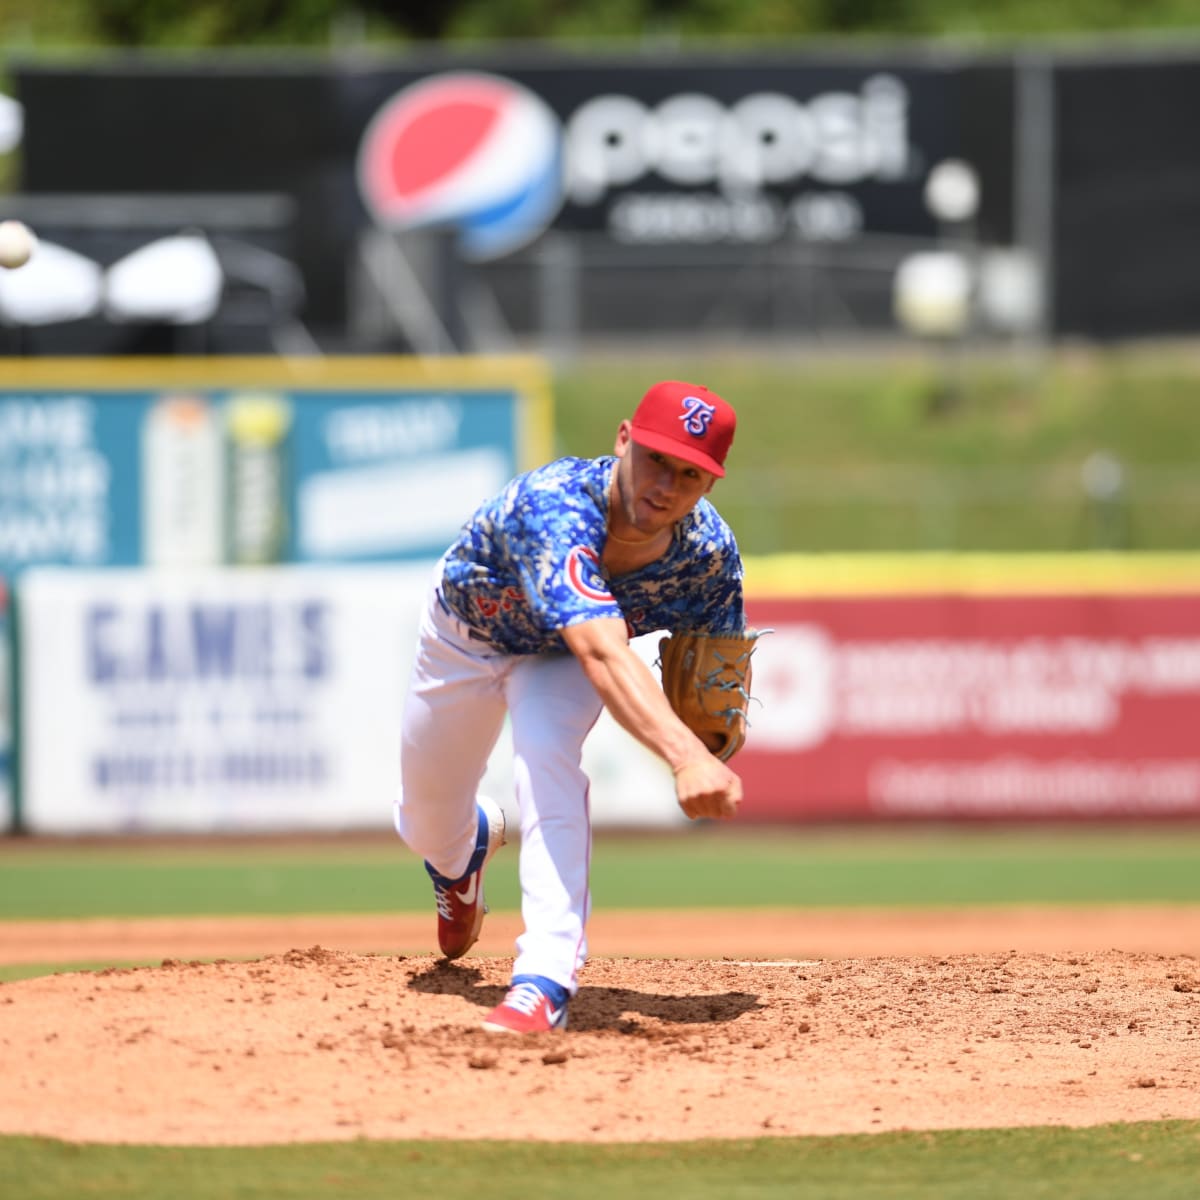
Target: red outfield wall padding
{"x":954,"y":706}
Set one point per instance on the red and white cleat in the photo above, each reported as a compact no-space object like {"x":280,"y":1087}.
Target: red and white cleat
{"x":533,"y":1005}
{"x":460,"y":901}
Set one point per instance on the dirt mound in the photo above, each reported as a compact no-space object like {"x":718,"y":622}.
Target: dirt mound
{"x":320,"y":1044}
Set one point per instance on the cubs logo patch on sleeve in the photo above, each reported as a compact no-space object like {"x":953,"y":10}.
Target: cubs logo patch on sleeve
{"x":584,"y":577}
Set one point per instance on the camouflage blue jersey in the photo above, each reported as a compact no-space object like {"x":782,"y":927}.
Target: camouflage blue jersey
{"x":528,"y":564}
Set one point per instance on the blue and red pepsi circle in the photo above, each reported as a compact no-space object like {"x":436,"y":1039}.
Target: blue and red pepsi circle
{"x":467,"y":150}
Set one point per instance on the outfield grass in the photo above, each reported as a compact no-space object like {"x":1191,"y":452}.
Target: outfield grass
{"x":852,"y":455}
{"x":708,"y":867}
{"x":1112,"y":1162}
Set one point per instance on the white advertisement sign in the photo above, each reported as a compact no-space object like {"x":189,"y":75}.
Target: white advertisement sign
{"x":244,"y":699}
{"x":213,"y":700}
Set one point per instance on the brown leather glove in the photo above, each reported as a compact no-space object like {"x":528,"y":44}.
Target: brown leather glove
{"x":706,"y":678}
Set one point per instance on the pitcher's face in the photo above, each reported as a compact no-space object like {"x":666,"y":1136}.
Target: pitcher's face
{"x":654,"y":489}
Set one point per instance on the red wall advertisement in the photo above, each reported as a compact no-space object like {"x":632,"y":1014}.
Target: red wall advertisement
{"x":967,"y":706}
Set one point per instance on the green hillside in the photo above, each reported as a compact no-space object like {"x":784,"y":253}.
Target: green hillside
{"x":870,"y":454}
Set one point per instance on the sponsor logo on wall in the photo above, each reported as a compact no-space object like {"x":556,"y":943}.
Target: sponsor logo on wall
{"x":486,"y":156}
{"x":55,"y":481}
{"x":972,"y":707}
{"x":213,"y":699}
{"x":247,"y":477}
{"x":469,"y":150}
{"x":5,"y":716}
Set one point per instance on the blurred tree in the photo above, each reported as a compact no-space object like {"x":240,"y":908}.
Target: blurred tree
{"x":419,"y":18}
{"x":42,"y":24}
{"x":881,"y":16}
{"x":212,"y":22}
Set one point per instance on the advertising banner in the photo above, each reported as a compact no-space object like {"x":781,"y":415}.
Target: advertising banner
{"x":671,"y":150}
{"x":663,"y":151}
{"x":6,"y":718}
{"x":223,"y":700}
{"x":666,"y":153}
{"x":68,"y":468}
{"x":270,"y":699}
{"x":253,"y":699}
{"x":245,"y":462}
{"x":972,"y":705}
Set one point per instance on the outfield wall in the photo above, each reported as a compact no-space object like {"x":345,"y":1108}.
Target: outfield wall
{"x":917,"y":688}
{"x":947,"y":687}
{"x":252,"y":699}
{"x":202,"y":464}
{"x":214,"y":569}
{"x":6,"y":693}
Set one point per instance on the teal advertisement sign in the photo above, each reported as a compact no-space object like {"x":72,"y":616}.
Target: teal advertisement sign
{"x":68,"y":477}
{"x":242,"y":462}
{"x":379,"y":476}
{"x":7,"y":816}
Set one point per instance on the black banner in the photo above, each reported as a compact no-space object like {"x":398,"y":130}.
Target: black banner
{"x":1128,"y":197}
{"x":706,"y":160}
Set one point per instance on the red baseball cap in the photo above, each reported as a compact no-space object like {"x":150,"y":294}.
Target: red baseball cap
{"x":687,"y":421}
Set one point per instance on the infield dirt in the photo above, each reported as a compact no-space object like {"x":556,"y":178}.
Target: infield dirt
{"x":799,"y":1023}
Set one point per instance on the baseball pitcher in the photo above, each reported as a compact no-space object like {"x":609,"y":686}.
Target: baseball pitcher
{"x":530,"y":614}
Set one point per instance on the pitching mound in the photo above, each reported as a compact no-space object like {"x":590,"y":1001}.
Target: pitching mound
{"x":317,"y":1044}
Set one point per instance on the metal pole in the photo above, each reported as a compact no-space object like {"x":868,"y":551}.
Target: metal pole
{"x":558,"y":281}
{"x":1034,"y":181}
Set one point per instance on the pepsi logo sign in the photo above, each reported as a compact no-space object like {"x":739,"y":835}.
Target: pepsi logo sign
{"x":764,"y":139}
{"x":487,"y":157}
{"x":465,"y":149}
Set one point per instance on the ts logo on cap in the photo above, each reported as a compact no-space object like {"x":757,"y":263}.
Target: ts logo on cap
{"x":686,"y":420}
{"x":697,"y":416}
{"x":473,"y":151}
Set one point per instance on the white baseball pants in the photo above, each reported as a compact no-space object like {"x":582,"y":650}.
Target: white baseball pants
{"x":459,"y":692}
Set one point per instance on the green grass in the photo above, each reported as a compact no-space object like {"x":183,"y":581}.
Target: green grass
{"x":707,"y":867}
{"x":1147,"y":1161}
{"x":852,"y":455}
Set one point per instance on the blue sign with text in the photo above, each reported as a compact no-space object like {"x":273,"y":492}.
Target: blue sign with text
{"x":191,"y":473}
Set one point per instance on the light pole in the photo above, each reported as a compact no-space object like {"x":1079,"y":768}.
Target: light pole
{"x":935,"y":290}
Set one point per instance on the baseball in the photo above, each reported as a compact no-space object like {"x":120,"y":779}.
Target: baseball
{"x":17,"y":243}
